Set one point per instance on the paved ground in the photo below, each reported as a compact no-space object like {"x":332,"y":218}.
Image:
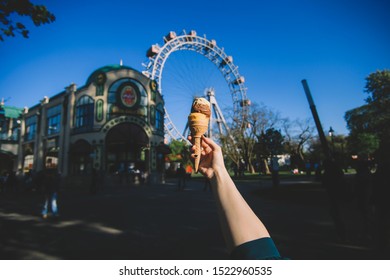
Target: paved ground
{"x":159,"y":222}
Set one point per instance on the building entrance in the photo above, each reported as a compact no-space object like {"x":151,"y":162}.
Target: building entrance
{"x":126,"y":149}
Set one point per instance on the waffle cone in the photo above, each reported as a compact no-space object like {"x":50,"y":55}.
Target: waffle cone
{"x":198,"y":124}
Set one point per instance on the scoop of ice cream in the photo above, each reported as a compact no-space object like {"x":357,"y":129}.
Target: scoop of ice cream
{"x":201,"y":105}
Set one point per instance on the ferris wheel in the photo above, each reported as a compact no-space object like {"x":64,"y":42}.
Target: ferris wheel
{"x":158,"y":55}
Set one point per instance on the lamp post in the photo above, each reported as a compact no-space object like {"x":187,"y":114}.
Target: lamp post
{"x":331,"y":135}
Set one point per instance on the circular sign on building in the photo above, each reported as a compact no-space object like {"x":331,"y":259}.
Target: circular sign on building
{"x":128,"y":96}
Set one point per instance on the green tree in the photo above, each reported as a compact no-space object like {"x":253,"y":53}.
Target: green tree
{"x":378,"y":87}
{"x":269,"y":144}
{"x":22,"y":8}
{"x":362,"y":143}
{"x":179,"y":152}
{"x":273,"y":140}
{"x":370,"y":123}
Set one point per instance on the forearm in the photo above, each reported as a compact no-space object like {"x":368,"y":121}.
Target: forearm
{"x":239,"y":222}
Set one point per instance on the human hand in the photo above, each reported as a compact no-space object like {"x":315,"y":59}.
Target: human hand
{"x":211,"y":157}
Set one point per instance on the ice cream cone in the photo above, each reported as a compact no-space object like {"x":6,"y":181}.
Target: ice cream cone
{"x":198,"y":124}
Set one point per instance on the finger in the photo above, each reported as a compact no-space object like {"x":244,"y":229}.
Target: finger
{"x":210,"y":143}
{"x":202,"y":170}
{"x":191,"y":139}
{"x":206,"y":150}
{"x":204,"y":144}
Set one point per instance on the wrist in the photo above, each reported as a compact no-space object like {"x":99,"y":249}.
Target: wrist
{"x":220,"y":175}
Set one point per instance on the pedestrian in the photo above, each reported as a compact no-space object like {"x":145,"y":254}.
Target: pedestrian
{"x":3,"y":181}
{"x":245,"y":235}
{"x":11,"y":182}
{"x":93,"y":188}
{"x":241,"y":169}
{"x":275,"y":171}
{"x":308,"y":168}
{"x":235,"y":169}
{"x":181,"y":174}
{"x":144,"y":177}
{"x":317,"y":171}
{"x":50,"y":185}
{"x":363,"y":189}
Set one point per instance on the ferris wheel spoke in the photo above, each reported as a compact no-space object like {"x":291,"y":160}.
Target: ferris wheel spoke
{"x":171,"y":129}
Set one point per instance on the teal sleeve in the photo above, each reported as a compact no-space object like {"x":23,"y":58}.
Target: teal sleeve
{"x":258,"y":249}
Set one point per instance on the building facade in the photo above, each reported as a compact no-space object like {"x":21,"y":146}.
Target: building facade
{"x":114,"y":123}
{"x":10,"y":121}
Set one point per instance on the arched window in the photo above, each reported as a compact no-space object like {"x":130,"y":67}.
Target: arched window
{"x":84,"y":112}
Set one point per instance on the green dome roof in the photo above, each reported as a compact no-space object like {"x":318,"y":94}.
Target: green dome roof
{"x":106,"y":69}
{"x":10,"y":112}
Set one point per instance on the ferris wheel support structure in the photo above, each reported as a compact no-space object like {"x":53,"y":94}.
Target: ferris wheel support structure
{"x":157,"y":56}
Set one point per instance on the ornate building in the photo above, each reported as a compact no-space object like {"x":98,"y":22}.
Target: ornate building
{"x":115,"y":122}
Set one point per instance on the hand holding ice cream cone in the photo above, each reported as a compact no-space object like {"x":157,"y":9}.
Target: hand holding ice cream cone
{"x":198,"y":122}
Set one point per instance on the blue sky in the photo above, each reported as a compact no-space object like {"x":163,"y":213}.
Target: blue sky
{"x":335,"y":45}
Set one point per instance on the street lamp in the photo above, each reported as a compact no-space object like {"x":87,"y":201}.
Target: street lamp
{"x":331,"y":131}
{"x":331,"y":135}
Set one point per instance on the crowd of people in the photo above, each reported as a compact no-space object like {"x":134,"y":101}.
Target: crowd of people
{"x":46,"y":182}
{"x":246,"y":236}
{"x":370,"y":190}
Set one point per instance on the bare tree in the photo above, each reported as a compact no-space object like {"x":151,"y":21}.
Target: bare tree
{"x":247,"y":134}
{"x":297,"y":134}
